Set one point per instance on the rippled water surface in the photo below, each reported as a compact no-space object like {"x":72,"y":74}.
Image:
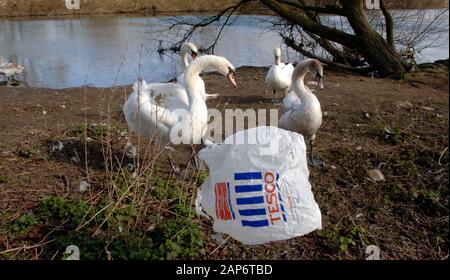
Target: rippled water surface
{"x":111,"y":50}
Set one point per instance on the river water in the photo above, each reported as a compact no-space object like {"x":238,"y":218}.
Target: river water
{"x":104,"y":51}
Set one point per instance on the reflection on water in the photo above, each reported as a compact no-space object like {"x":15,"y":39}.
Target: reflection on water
{"x":111,"y":50}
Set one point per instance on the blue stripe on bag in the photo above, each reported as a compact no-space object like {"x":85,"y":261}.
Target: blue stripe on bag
{"x":261,"y":223}
{"x":250,"y":200}
{"x":248,"y":176}
{"x":252,"y":212}
{"x":249,"y":188}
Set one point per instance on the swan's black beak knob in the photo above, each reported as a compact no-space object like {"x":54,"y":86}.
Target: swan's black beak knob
{"x":319,"y":80}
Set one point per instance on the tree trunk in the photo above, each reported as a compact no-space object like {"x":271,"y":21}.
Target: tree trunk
{"x":389,"y":24}
{"x":365,"y":40}
{"x":372,"y":45}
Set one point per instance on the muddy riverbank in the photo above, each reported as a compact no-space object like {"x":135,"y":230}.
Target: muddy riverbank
{"x":399,"y":127}
{"x":24,"y":8}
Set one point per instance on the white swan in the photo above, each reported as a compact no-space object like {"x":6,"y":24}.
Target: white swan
{"x":182,"y":109}
{"x":302,"y":112}
{"x":280,"y":75}
{"x":9,"y":69}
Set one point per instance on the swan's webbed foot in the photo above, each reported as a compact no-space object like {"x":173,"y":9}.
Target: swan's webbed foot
{"x":311,"y":160}
{"x":274,"y":99}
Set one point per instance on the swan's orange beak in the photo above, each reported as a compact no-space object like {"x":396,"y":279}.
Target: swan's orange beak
{"x":231,"y":78}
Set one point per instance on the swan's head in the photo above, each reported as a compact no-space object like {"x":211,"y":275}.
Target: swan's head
{"x":224,"y":67}
{"x":211,"y":63}
{"x":316,"y":68}
{"x":189,"y":49}
{"x":277,"y":53}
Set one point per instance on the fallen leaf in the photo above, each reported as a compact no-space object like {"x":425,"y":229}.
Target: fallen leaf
{"x":429,"y":109}
{"x":376,"y":175}
{"x":405,"y":104}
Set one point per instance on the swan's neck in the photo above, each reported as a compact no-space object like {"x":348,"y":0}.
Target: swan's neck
{"x":194,"y":85}
{"x":198,"y":111}
{"x":184,"y":59}
{"x":298,"y":82}
{"x":277,"y":60}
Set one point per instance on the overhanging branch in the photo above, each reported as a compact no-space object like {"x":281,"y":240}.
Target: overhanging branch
{"x":332,"y":34}
{"x":361,"y":70}
{"x":324,"y":10}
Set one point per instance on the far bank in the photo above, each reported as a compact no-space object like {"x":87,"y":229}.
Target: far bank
{"x":24,"y":8}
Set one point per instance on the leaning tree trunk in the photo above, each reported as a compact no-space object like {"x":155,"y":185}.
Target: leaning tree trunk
{"x":389,"y":24}
{"x":373,"y":46}
{"x":365,"y":39}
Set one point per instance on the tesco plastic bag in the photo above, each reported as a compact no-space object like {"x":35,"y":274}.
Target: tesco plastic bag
{"x":258,"y":190}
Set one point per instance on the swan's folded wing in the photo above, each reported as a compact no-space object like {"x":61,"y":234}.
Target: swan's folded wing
{"x":288,"y":69}
{"x":270,"y":77}
{"x":13,"y":67}
{"x":162,"y":104}
{"x":168,"y":95}
{"x":290,"y":101}
{"x":180,"y":79}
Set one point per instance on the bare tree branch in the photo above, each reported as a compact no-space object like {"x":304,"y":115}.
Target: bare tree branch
{"x":356,"y":45}
{"x":307,"y":24}
{"x":325,"y":10}
{"x":194,"y":26}
{"x":361,"y":70}
{"x":389,"y":24}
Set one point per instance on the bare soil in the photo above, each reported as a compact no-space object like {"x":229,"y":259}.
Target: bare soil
{"x":398,"y":127}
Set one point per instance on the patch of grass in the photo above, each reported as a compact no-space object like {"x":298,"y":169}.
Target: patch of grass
{"x":124,"y":234}
{"x":178,"y":238}
{"x":26,"y":153}
{"x":22,"y":225}
{"x":429,"y":202}
{"x":4,"y":179}
{"x":170,"y":240}
{"x":94,"y":131}
{"x":393,"y":136}
{"x":160,"y":186}
{"x":202,"y":177}
{"x":58,"y":209}
{"x":337,"y":240}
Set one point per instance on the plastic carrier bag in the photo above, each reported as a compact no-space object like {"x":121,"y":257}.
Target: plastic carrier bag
{"x":259,"y":191}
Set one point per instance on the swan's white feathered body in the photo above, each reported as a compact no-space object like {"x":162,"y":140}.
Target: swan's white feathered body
{"x":279,"y":76}
{"x":302,"y":111}
{"x":10,"y":69}
{"x":162,"y":109}
{"x":148,"y":109}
